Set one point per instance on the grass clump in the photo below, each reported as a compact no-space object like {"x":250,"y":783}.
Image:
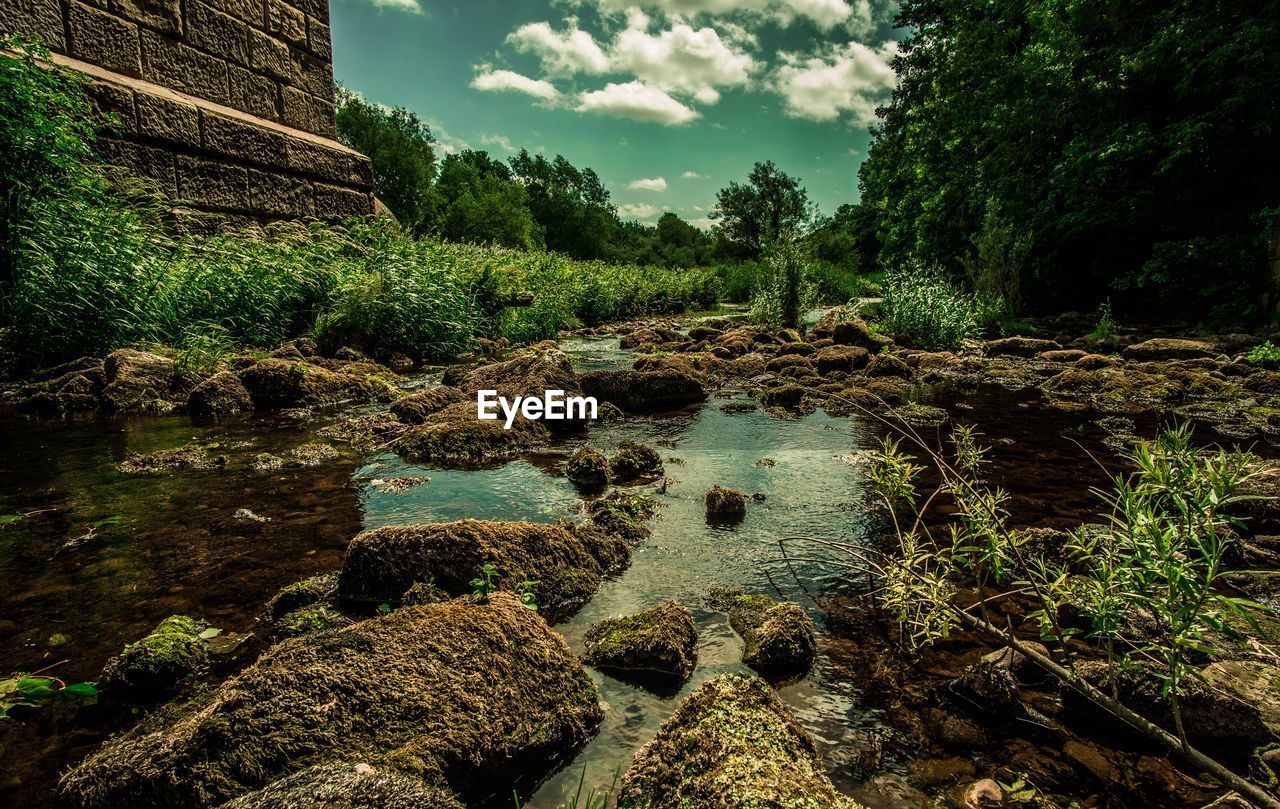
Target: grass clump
{"x":923,"y":310}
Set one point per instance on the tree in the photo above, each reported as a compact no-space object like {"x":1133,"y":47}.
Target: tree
{"x":570,"y":206}
{"x":400,"y":146}
{"x":477,"y":200}
{"x":769,"y":206}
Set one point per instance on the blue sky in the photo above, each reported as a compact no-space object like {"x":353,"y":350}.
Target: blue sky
{"x":668,"y":100}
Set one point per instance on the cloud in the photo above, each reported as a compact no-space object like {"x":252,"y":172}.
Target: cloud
{"x":693,"y":175}
{"x":562,"y":53}
{"x":501,"y":141}
{"x":651,"y":184}
{"x":638,"y":210}
{"x":702,"y":222}
{"x":637,"y":101}
{"x":681,"y":59}
{"x":449,"y":143}
{"x":500,"y":80}
{"x":844,"y":80}
{"x":824,"y":13}
{"x":410,"y":6}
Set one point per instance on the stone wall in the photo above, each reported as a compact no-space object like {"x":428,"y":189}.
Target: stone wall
{"x":227,"y":105}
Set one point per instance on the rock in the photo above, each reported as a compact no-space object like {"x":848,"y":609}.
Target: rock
{"x":663,"y":389}
{"x":309,"y":592}
{"x":779,"y":637}
{"x":140,"y":380}
{"x":1063,"y":355}
{"x":568,"y":565}
{"x":190,"y":456}
{"x":841,"y":358}
{"x":1095,"y":362}
{"x":1093,"y":760}
{"x":461,"y":695}
{"x":920,"y":415}
{"x":725,"y":505}
{"x":888,"y":365}
{"x":784,"y":396}
{"x":1169,"y":348}
{"x":993,"y":680}
{"x":220,"y":395}
{"x":424,"y":404}
{"x":856,"y":332}
{"x":588,"y":469}
{"x":276,"y":383}
{"x":649,"y":336}
{"x":159,"y":665}
{"x":348,"y":786}
{"x":1073,"y":382}
{"x":785,"y":361}
{"x":309,"y":619}
{"x":704,"y":333}
{"x":797,"y":349}
{"x":457,"y":436}
{"x":731,"y":744}
{"x":634,"y":461}
{"x":623,"y":514}
{"x":982,"y":793}
{"x":541,"y":369}
{"x":1256,"y":685}
{"x":312,"y":454}
{"x":661,"y":642}
{"x":1018,"y":347}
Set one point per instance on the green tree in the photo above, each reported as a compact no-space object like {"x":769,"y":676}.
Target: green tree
{"x":476,"y":200}
{"x":400,"y":146}
{"x":570,"y":205}
{"x":769,"y":206}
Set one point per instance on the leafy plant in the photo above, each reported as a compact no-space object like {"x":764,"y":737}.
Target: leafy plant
{"x":36,"y":690}
{"x":1104,"y":324}
{"x":786,"y":291}
{"x":922,"y":310}
{"x":1265,"y":355}
{"x":524,"y":591}
{"x":484,"y":584}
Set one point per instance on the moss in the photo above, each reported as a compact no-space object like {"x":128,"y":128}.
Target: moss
{"x":725,"y":505}
{"x":460,"y":695}
{"x":312,"y":454}
{"x":309,"y":619}
{"x":888,"y":365}
{"x":190,"y":456}
{"x":420,"y":406}
{"x":634,"y":461}
{"x":381,"y":565}
{"x":731,"y":744}
{"x":219,"y":395}
{"x":920,"y":415}
{"x":588,"y":469}
{"x":841,"y":358}
{"x":305,"y":593}
{"x":786,"y":396}
{"x":623,"y":514}
{"x":157,"y":666}
{"x":455,"y":436}
{"x":275,"y":383}
{"x":661,"y":642}
{"x":778,"y":637}
{"x":348,"y":786}
{"x":662,"y":389}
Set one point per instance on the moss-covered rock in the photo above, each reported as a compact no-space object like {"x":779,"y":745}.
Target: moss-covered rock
{"x":309,"y":619}
{"x":1026,"y":347}
{"x":661,"y":389}
{"x":222,"y":394}
{"x":456,"y":436}
{"x":841,"y":358}
{"x":348,"y":786}
{"x":725,"y":505}
{"x":920,"y":415}
{"x":141,"y":381}
{"x":1169,"y":348}
{"x":459,"y":695}
{"x":634,"y":461}
{"x":318,"y":589}
{"x":588,"y":469}
{"x":731,"y":744}
{"x":190,"y":456}
{"x":384,"y":563}
{"x":660,"y":642}
{"x":784,"y":396}
{"x":623,"y":514}
{"x":276,"y":383}
{"x":422,"y":405}
{"x":779,"y":637}
{"x":159,"y":665}
{"x":888,"y":365}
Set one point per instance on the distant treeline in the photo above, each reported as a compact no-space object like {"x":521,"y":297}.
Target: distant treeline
{"x":1058,"y":153}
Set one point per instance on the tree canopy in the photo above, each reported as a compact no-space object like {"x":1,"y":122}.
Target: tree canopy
{"x":400,"y":146}
{"x":754,"y":214}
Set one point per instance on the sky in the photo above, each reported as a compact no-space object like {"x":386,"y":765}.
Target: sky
{"x":667,"y":100}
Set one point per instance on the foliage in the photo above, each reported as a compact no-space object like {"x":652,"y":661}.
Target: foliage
{"x":524,"y":591}
{"x":35,"y":690}
{"x":922,"y":310}
{"x":770,"y":206}
{"x":484,"y":584}
{"x":1104,"y":323}
{"x":786,"y":292}
{"x":999,"y":259}
{"x":478,"y":200}
{"x":1265,"y":355}
{"x":1131,"y":146}
{"x":400,"y":147}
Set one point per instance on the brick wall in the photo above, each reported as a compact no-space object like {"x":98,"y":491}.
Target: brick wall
{"x":227,"y":105}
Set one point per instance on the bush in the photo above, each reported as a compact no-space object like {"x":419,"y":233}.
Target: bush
{"x":786,"y":291}
{"x":1265,"y":355}
{"x":922,"y":310}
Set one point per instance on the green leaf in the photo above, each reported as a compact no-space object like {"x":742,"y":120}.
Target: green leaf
{"x":211,"y":632}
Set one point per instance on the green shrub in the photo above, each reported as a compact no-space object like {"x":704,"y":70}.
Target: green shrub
{"x":1265,"y":355}
{"x":922,"y":310}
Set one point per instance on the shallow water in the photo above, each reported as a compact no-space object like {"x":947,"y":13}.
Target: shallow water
{"x":173,"y":545}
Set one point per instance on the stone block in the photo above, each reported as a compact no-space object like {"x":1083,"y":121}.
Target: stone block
{"x":210,"y":184}
{"x":35,"y":18}
{"x":162,"y":15}
{"x":101,"y":39}
{"x":113,"y":105}
{"x":286,"y":23}
{"x":219,"y":34}
{"x":319,"y":39}
{"x":333,"y":202}
{"x":253,"y":93}
{"x":361,"y":170}
{"x":169,"y":120}
{"x":308,"y":113}
{"x":172,"y":64}
{"x":250,"y":11}
{"x":317,"y":160}
{"x":281,"y":195}
{"x":314,"y":8}
{"x":150,"y":163}
{"x":271,"y":56}
{"x":242,"y":140}
{"x":316,"y":77}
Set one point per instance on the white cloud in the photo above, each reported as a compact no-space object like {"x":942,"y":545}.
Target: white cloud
{"x":637,"y":101}
{"x":638,"y":210}
{"x":562,"y":53}
{"x":703,"y":222}
{"x":648,"y":184}
{"x":501,"y":141}
{"x":844,"y":80}
{"x":449,"y":143}
{"x":825,"y":13}
{"x":500,"y":80}
{"x":681,"y":59}
{"x":693,"y":175}
{"x":410,"y":6}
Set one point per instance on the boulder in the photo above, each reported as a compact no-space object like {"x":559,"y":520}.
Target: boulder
{"x":660,"y":642}
{"x":457,"y":436}
{"x":1063,"y":355}
{"x":781,"y":363}
{"x":888,"y":365}
{"x":220,"y":395}
{"x":588,"y":469}
{"x":841,"y":358}
{"x":623,"y":514}
{"x":540,"y":369}
{"x":1169,"y":348}
{"x":140,"y":380}
{"x":309,"y":592}
{"x":1251,"y":683}
{"x":424,"y":404}
{"x":568,"y":565}
{"x":725,"y":505}
{"x":159,"y":665}
{"x":634,"y":461}
{"x":462,"y":696}
{"x":1018,"y":347}
{"x":348,"y":786}
{"x":276,"y":383}
{"x":662,"y":389}
{"x":784,"y":396}
{"x":779,"y":637}
{"x":731,"y":744}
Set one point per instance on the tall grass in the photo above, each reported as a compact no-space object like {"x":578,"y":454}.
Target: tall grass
{"x":923,"y":310}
